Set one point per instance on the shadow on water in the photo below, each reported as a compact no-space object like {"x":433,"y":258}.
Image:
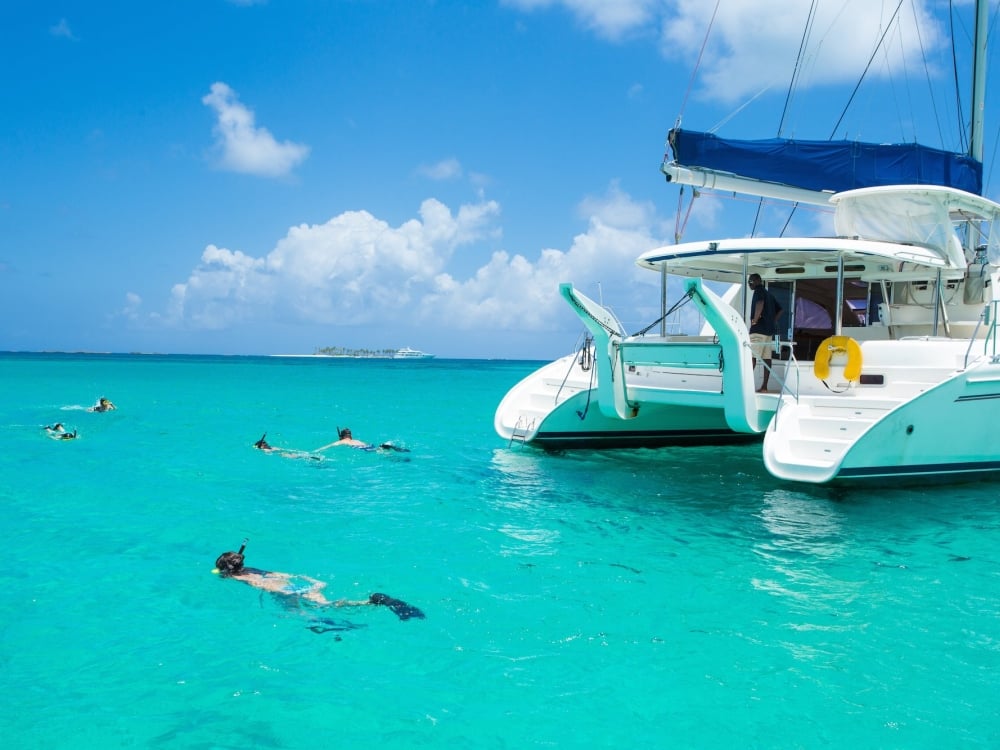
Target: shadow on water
{"x":712,"y":479}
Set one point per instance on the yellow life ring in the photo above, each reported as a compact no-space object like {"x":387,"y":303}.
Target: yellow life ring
{"x":838,"y":345}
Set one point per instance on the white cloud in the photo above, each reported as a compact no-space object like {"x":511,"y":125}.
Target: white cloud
{"x":132,"y":304}
{"x":357,"y":269}
{"x":611,"y":19}
{"x":62,"y":29}
{"x":446,"y":169}
{"x":752,"y":44}
{"x":352,"y":269}
{"x":242,"y":146}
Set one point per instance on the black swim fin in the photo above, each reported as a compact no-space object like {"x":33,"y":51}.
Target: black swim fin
{"x":402,"y":610}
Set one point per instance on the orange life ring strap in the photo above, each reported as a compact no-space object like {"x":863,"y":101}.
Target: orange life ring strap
{"x":838,"y":345}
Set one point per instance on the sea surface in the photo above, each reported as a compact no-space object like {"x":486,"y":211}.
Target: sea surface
{"x":672,"y":598}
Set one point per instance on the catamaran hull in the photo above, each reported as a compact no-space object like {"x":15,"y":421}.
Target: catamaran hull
{"x":656,"y":426}
{"x":945,"y":434}
{"x":556,"y":407}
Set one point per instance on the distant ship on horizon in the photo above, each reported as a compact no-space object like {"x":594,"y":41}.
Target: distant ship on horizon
{"x":408,"y":353}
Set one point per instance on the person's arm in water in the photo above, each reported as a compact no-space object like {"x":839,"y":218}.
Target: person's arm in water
{"x":343,"y":441}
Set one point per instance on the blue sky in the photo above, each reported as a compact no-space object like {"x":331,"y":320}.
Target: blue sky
{"x":214,"y":176}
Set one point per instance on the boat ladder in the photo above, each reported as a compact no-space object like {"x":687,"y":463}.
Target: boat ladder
{"x":521,"y":430}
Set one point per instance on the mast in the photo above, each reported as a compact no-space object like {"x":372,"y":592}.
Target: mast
{"x":979,"y":82}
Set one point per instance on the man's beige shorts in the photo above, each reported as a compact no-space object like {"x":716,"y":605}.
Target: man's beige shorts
{"x":762,"y":346}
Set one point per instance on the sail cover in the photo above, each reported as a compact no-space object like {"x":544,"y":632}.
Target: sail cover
{"x":826,"y":165}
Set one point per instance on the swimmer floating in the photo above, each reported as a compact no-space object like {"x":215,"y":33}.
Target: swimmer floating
{"x":230,"y":565}
{"x":345,"y":438}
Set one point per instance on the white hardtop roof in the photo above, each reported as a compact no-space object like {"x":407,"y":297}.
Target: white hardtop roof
{"x":723,"y":260}
{"x":958,"y":203}
{"x":918,"y":214}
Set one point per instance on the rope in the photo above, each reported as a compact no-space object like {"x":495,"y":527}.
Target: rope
{"x":679,"y":226}
{"x":590,"y":389}
{"x":680,"y":303}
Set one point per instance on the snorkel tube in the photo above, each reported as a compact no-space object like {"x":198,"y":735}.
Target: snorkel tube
{"x":243,"y":545}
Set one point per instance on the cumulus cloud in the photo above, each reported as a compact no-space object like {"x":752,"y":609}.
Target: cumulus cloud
{"x":242,"y":146}
{"x":753,"y":43}
{"x":516,"y":292}
{"x":357,"y":269}
{"x":446,"y":169}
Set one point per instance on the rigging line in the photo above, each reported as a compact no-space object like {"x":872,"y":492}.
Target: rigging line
{"x":697,"y":65}
{"x":954,"y":71}
{"x":867,"y":67}
{"x":756,"y":218}
{"x":893,"y":88}
{"x":927,"y":74}
{"x":803,"y":43}
{"x":677,"y":218}
{"x":789,"y":221}
{"x":687,"y":215}
{"x":739,"y":109}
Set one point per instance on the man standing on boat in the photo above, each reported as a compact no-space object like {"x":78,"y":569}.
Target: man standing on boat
{"x":764,"y":314}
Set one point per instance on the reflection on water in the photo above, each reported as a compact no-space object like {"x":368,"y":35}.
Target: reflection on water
{"x":803,"y":550}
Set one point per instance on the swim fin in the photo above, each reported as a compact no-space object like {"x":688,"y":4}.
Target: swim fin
{"x":402,"y":610}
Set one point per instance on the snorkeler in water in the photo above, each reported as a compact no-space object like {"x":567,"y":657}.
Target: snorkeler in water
{"x":263,"y":445}
{"x":103,"y":404}
{"x":344,"y":437}
{"x":230,"y":565}
{"x":58,"y":432}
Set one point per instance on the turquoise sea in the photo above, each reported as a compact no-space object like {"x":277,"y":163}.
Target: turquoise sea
{"x":673,"y":598}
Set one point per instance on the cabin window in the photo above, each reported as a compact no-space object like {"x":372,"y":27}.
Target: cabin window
{"x":855,"y":268}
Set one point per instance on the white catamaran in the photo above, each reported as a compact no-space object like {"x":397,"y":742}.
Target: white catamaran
{"x":887,"y":365}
